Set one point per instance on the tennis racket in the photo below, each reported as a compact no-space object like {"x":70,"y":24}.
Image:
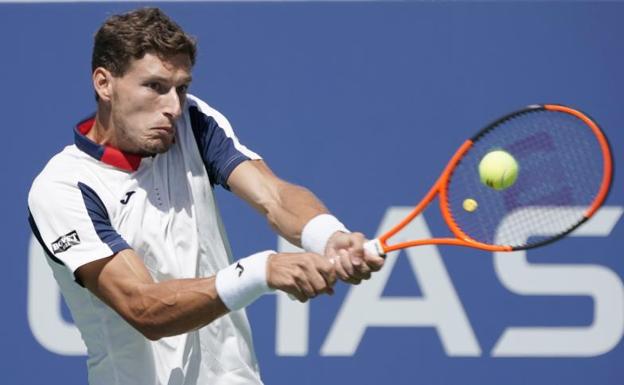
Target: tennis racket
{"x":564,"y":175}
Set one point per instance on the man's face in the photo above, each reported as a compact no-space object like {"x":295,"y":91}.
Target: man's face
{"x":146,"y":102}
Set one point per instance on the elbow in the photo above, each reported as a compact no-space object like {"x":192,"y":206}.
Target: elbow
{"x":148,"y":328}
{"x":145,"y":316}
{"x":155,"y":328}
{"x":161,"y":313}
{"x":151,"y":335}
{"x":144,"y":320}
{"x":155,"y":332}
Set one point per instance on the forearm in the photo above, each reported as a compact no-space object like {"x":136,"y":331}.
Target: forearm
{"x":288,"y":208}
{"x":174,"y":307}
{"x":156,"y":309}
{"x":160,"y":309}
{"x":293,"y":207}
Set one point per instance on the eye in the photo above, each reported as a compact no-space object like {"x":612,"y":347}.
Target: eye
{"x":156,"y":87}
{"x":182,"y":89}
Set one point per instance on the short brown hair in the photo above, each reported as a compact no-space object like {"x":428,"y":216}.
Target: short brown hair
{"x":129,"y":36}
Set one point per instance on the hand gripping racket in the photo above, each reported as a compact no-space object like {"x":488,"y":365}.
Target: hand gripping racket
{"x":564,"y":175}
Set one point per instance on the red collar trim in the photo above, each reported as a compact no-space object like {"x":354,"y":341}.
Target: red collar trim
{"x":107,"y":154}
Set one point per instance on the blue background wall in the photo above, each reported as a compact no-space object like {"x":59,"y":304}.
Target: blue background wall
{"x":337,"y":96}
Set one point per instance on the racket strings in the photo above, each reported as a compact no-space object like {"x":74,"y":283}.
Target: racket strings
{"x":560,"y":172}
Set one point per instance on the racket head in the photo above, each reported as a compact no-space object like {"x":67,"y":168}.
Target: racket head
{"x":565,"y":173}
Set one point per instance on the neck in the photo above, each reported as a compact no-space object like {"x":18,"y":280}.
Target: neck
{"x":103,"y":131}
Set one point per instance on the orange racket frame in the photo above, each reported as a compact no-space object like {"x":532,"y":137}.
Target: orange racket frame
{"x":381,"y":246}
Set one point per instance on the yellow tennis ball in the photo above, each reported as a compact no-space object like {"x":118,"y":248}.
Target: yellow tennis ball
{"x":498,"y":170}
{"x":470,"y":205}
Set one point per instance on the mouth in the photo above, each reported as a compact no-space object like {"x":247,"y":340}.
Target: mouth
{"x":170,"y":130}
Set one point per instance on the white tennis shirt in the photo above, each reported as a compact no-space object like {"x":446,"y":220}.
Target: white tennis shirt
{"x":91,"y":201}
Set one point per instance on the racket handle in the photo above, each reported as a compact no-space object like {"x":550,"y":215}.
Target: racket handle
{"x":374,"y":247}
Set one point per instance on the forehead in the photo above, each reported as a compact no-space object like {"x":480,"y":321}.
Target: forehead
{"x":176,"y":66}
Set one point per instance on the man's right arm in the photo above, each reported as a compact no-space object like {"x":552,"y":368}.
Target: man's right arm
{"x":155,"y":309}
{"x":160,"y":309}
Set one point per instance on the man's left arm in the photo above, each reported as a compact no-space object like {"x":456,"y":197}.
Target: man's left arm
{"x":298,"y":215}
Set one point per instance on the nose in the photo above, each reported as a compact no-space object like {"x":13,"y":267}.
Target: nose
{"x":172,"y":104}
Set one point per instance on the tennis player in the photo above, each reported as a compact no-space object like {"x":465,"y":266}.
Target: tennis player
{"x":129,"y":222}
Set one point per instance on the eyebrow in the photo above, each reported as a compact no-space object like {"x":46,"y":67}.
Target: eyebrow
{"x":159,"y":78}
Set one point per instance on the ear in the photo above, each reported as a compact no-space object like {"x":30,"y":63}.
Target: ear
{"x":102,"y":83}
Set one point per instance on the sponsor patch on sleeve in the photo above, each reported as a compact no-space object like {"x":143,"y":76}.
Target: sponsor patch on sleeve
{"x":65,"y":242}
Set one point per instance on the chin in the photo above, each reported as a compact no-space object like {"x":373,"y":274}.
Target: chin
{"x":157,"y":147}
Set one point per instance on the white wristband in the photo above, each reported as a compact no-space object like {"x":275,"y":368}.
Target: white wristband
{"x":244,"y":281}
{"x":317,"y":231}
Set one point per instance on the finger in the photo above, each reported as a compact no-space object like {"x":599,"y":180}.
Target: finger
{"x":340,"y":270}
{"x":296,"y":294}
{"x":345,"y":262}
{"x":356,"y":248}
{"x":359,"y":263}
{"x":366,"y":276}
{"x":353,"y":280}
{"x":320,"y":280}
{"x":307,"y":289}
{"x":330,"y":275}
{"x":375,"y":263}
{"x":327,"y":269}
{"x":357,"y":241}
{"x":302,"y":298}
{"x":352,"y":276}
{"x":302,"y":281}
{"x":357,"y":272}
{"x":362,"y":270}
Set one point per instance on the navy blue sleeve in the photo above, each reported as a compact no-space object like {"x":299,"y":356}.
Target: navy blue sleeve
{"x":217,"y":149}
{"x":100,"y":219}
